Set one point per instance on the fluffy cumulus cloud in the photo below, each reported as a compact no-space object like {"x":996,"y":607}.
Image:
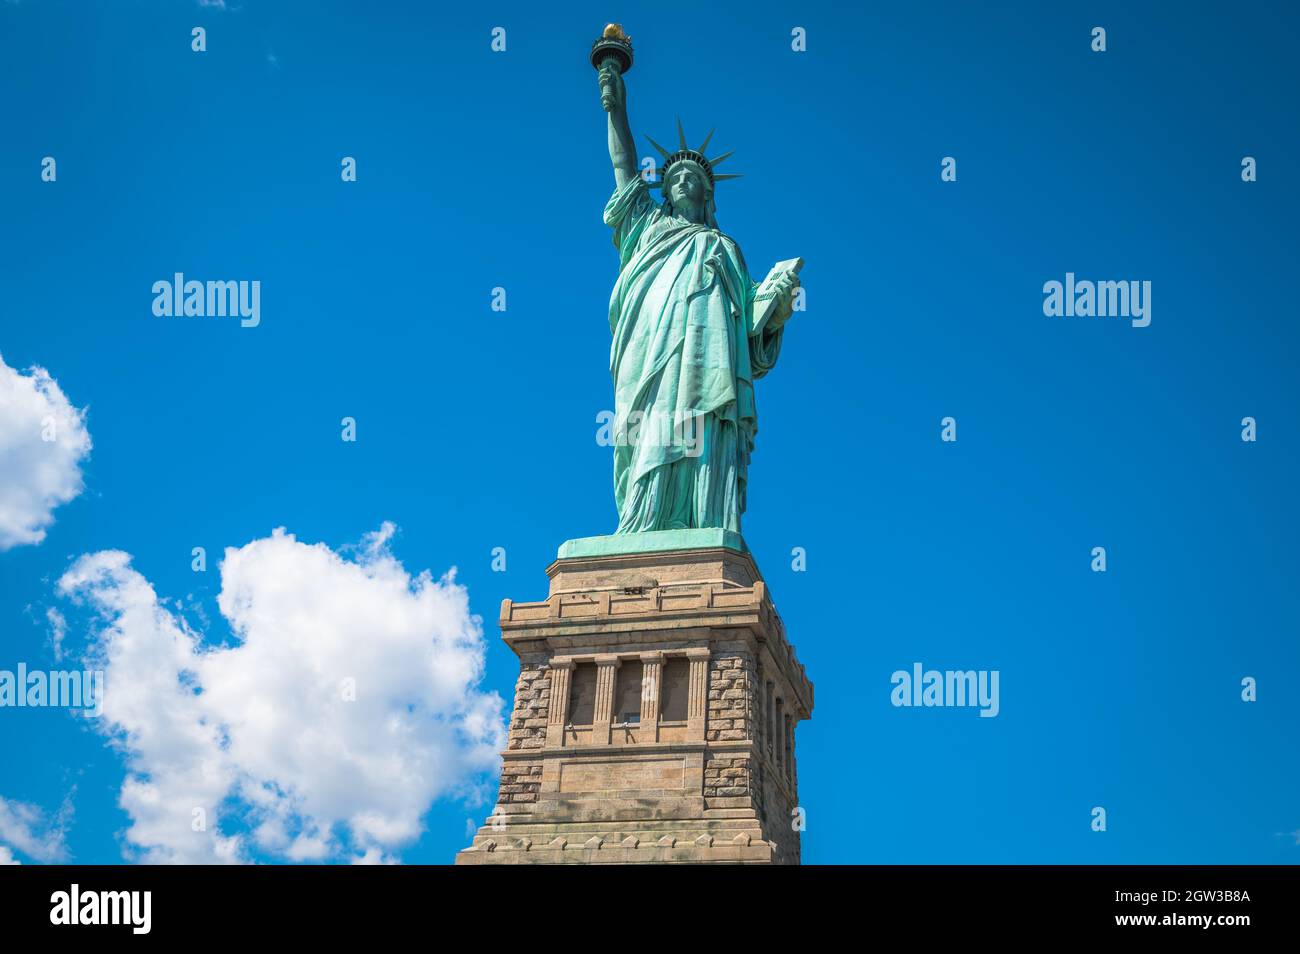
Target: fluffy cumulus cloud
{"x":43,"y":440}
{"x":28,"y":830}
{"x":347,"y":702}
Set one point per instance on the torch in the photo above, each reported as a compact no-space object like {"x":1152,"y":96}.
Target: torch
{"x":614,"y":46}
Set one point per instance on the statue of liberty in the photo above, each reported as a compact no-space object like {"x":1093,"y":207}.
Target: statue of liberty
{"x":691,"y":333}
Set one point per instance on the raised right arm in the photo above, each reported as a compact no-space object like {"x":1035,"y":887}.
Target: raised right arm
{"x":622,"y":150}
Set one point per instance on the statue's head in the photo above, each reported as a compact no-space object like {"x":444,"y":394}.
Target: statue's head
{"x":687,"y":188}
{"x":688,"y":179}
{"x":687,"y":184}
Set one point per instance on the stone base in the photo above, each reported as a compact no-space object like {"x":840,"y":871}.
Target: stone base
{"x":703,"y":771}
{"x":651,"y":541}
{"x":627,"y":852}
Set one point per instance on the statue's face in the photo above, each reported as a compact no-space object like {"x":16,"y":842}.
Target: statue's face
{"x":686,"y":186}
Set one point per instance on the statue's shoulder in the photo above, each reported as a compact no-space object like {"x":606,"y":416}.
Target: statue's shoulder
{"x":732,"y":245}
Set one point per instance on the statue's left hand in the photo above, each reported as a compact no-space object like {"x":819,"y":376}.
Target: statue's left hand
{"x":786,"y":286}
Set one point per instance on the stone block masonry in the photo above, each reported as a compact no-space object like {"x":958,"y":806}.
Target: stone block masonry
{"x":653,"y":718}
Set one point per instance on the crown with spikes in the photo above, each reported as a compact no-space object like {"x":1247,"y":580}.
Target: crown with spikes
{"x":694,"y":155}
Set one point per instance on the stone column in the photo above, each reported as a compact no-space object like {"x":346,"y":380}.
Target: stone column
{"x":697,"y":696}
{"x":606,"y":675}
{"x":789,"y":749}
{"x":558,"y":715}
{"x":767,"y":720}
{"x":652,"y":667}
{"x":778,"y":737}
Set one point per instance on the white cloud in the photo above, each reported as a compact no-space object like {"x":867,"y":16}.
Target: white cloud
{"x":58,"y":629}
{"x":43,"y":440}
{"x":373,"y":856}
{"x":26,"y":828}
{"x":259,"y":734}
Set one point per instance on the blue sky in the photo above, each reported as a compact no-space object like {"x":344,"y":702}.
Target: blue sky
{"x":476,"y":428}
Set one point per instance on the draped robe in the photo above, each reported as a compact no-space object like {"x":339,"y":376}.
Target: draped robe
{"x":683,"y":364}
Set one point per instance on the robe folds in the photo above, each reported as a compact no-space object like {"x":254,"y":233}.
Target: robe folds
{"x":683,"y":365}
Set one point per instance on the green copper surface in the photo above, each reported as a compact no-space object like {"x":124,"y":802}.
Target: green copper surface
{"x":687,"y":341}
{"x":651,"y":541}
